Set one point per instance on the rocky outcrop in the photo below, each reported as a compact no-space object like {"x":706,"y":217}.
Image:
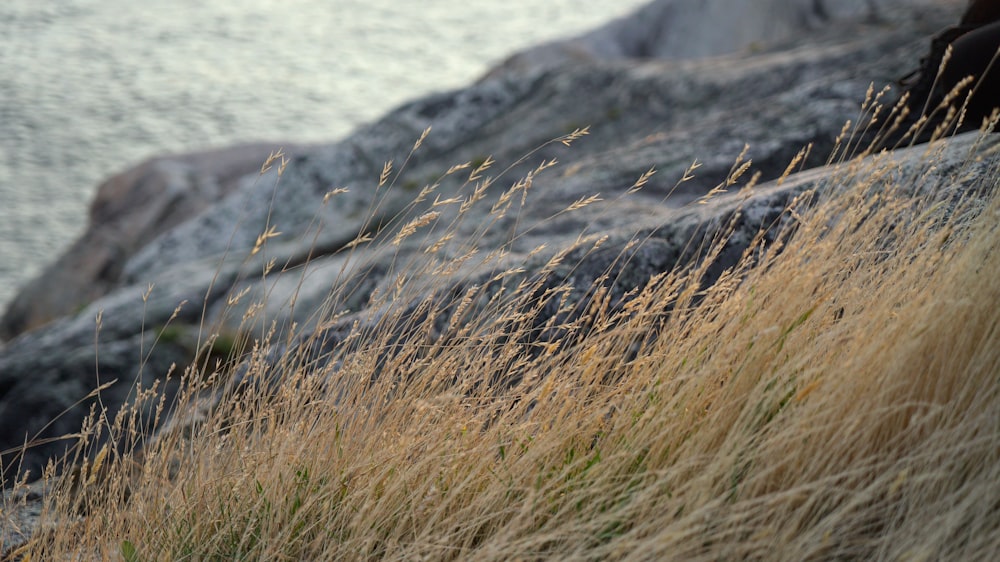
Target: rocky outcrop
{"x":688,"y":29}
{"x":642,"y":112}
{"x":135,"y":206}
{"x":130,"y":210}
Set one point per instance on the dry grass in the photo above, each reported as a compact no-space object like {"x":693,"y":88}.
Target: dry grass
{"x":836,"y":399}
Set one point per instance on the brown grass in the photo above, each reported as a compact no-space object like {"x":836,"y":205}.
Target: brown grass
{"x":836,"y":399}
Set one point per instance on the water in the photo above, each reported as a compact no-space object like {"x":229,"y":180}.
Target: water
{"x":90,"y":87}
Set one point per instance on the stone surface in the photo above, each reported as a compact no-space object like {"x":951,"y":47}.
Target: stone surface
{"x":129,"y":210}
{"x":685,"y":29}
{"x":643,"y":112}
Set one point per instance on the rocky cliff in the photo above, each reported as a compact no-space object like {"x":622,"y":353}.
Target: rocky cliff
{"x":172,"y":242}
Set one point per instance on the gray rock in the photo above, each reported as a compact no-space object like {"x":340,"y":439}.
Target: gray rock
{"x":22,"y":515}
{"x":129,"y":210}
{"x":686,"y":29}
{"x":641,"y":113}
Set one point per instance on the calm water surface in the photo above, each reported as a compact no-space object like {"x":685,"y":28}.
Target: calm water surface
{"x":88,"y":87}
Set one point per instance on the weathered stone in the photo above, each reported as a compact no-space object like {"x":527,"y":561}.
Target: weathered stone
{"x":129,"y":210}
{"x":687,"y":29}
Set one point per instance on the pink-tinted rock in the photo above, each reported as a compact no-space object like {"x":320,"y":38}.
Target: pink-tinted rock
{"x":129,"y":210}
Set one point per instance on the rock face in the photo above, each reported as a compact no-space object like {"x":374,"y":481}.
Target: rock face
{"x":646,"y":101}
{"x":687,"y":29}
{"x":129,"y":211}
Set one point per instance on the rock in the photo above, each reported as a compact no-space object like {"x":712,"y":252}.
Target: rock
{"x":956,"y":69}
{"x":22,"y":516}
{"x":129,"y":210}
{"x":975,"y":55}
{"x":686,"y":29}
{"x":642,"y":114}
